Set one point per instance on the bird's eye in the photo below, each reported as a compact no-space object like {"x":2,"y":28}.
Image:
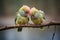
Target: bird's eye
{"x":36,"y":15}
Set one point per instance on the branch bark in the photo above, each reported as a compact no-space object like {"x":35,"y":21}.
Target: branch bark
{"x":33,"y":26}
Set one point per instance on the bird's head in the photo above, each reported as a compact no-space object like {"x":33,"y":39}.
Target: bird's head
{"x":24,"y":10}
{"x":34,"y":13}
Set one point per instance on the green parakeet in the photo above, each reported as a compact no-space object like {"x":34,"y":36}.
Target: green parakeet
{"x":37,"y":16}
{"x":22,"y":16}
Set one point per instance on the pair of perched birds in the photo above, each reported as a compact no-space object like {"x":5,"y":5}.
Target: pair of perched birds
{"x":25,"y":16}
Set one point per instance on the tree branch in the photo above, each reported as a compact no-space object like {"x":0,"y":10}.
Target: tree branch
{"x":33,"y":26}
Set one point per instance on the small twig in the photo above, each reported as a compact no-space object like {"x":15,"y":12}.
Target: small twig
{"x":33,"y":26}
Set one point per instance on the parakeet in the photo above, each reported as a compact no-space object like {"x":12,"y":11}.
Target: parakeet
{"x":22,"y":15}
{"x":37,"y":16}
